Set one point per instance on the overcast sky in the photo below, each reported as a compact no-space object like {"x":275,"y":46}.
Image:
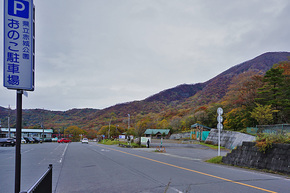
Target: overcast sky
{"x":98,"y":53}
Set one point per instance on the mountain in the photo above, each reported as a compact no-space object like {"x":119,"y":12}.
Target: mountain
{"x":215,"y":88}
{"x":185,"y":96}
{"x":178,"y":93}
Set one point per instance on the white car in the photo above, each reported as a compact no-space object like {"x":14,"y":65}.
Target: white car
{"x":23,"y":140}
{"x":85,"y":140}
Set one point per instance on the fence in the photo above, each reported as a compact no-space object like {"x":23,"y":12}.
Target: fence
{"x":44,"y":184}
{"x":271,"y":129}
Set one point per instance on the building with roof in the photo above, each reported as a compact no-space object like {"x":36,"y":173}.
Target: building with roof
{"x":4,"y":132}
{"x":199,"y":132}
{"x":157,"y":133}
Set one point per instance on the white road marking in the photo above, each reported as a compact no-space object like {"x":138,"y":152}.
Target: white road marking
{"x":188,"y":158}
{"x":63,"y":153}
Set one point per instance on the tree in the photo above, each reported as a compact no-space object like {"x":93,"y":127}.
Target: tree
{"x":285,"y":112}
{"x":274,"y":92}
{"x":163,"y":124}
{"x":141,"y":127}
{"x":187,"y":121}
{"x":243,"y":90}
{"x":74,"y":132}
{"x":236,"y":119}
{"x":175,"y":123}
{"x":263,"y":114}
{"x":92,"y":133}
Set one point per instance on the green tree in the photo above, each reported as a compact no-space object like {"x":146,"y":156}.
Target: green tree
{"x":263,"y":114}
{"x":74,"y":132}
{"x":273,"y":93}
{"x":234,"y":119}
{"x":187,"y":121}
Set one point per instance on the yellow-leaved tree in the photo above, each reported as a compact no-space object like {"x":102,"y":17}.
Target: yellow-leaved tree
{"x":263,"y":114}
{"x":74,"y":132}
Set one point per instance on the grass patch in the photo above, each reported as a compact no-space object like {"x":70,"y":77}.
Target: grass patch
{"x":212,"y":146}
{"x":109,"y":142}
{"x":215,"y":160}
{"x":113,"y":142}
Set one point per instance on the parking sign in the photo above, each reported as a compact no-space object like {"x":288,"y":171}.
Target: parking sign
{"x":19,"y":44}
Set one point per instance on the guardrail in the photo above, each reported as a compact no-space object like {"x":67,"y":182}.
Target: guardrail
{"x":43,"y":184}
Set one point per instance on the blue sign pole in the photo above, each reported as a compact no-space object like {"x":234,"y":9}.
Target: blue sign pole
{"x":18,"y":71}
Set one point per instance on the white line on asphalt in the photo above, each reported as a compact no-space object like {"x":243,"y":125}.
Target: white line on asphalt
{"x":188,"y":158}
{"x":175,"y":190}
{"x":27,"y":151}
{"x":63,"y":153}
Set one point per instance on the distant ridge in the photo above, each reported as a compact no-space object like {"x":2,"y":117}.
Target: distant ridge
{"x":215,"y":88}
{"x":178,"y":93}
{"x":181,"y":97}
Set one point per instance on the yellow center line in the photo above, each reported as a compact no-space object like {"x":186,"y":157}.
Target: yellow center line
{"x":202,"y":173}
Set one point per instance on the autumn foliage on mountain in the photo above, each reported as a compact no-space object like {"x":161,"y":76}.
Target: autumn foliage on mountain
{"x":251,"y":93}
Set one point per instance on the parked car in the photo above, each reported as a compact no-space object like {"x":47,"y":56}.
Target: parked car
{"x":47,"y":140}
{"x":7,"y":142}
{"x":29,"y":140}
{"x":54,"y":139}
{"x":63,"y":140}
{"x":23,"y":140}
{"x":85,"y":140}
{"x":37,"y":140}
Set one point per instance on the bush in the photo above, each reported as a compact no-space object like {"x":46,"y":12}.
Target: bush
{"x":264,"y":141}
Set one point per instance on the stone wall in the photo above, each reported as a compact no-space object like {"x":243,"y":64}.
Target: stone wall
{"x":229,"y":139}
{"x":180,"y":135}
{"x":276,"y":159}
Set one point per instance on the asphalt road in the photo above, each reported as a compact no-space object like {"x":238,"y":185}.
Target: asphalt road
{"x":98,"y":168}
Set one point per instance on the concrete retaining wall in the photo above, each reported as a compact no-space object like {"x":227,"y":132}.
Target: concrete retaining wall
{"x":229,"y":139}
{"x":180,"y":135}
{"x":276,"y":159}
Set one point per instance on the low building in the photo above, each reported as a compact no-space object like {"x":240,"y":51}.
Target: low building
{"x":157,"y":133}
{"x":27,"y":132}
{"x":199,"y":132}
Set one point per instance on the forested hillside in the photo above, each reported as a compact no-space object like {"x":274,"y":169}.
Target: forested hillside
{"x":244,"y":91}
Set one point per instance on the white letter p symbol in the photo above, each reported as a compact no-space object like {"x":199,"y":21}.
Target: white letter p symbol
{"x":21,"y":7}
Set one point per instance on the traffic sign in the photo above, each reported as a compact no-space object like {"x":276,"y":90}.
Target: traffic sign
{"x":220,"y":126}
{"x":220,"y":111}
{"x":18,"y":45}
{"x":220,"y":119}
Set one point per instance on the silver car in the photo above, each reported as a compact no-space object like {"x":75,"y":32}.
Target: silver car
{"x":85,"y":140}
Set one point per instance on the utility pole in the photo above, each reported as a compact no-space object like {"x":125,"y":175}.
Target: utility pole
{"x":109,"y":128}
{"x":128,"y":121}
{"x":41,"y":124}
{"x":9,"y":114}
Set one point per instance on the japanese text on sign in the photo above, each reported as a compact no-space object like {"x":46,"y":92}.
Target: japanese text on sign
{"x":19,"y":44}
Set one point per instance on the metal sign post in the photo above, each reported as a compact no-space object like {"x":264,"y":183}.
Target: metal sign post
{"x":18,"y":71}
{"x":18,"y":142}
{"x":219,"y":127}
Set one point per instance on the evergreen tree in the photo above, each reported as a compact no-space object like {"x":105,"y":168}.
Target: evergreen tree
{"x":273,"y":93}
